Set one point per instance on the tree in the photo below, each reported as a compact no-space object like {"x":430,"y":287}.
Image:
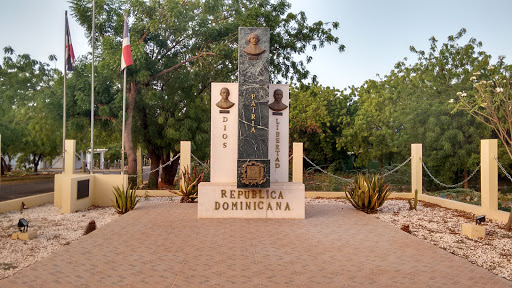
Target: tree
{"x":491,"y":102}
{"x":29,"y":109}
{"x":318,"y":116}
{"x":414,"y":104}
{"x":180,"y":47}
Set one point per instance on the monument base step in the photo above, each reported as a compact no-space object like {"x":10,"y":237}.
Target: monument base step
{"x":224,"y":200}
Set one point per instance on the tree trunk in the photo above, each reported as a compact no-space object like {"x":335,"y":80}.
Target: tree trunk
{"x":3,"y":166}
{"x":128,"y":145}
{"x":167,"y":177}
{"x":380,"y":164}
{"x":155,"y":161}
{"x":466,"y":184}
{"x":169,"y":171}
{"x":35,"y":161}
{"x":509,"y":222}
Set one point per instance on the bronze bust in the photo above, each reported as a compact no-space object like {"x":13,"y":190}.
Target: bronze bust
{"x":253,"y":49}
{"x":277,"y":105}
{"x":224,"y":102}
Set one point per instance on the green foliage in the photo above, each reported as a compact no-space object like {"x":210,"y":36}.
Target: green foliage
{"x":318,"y":116}
{"x":30,"y":109}
{"x":126,"y":199}
{"x":179,"y":48}
{"x":410,"y":201}
{"x":190,"y":186}
{"x":414,"y":104}
{"x":368,"y":193}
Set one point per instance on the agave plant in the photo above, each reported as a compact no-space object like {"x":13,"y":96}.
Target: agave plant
{"x":126,"y":199}
{"x":368,"y":193}
{"x":190,"y":185}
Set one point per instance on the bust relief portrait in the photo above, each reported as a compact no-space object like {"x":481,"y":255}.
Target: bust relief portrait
{"x":277,"y":105}
{"x":253,"y":49}
{"x":224,"y":102}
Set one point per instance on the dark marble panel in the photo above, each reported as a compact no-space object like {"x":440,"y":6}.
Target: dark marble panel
{"x":265,"y":184}
{"x":253,"y":69}
{"x":253,"y":117}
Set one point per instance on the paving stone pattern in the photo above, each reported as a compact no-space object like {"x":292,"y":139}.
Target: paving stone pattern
{"x":165,"y":245}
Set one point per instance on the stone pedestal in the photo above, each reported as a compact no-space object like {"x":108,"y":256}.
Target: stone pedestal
{"x":225,"y":200}
{"x":24,"y":235}
{"x":473,"y":231}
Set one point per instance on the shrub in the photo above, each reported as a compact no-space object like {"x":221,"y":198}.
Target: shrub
{"x":190,"y":186}
{"x":126,"y":199}
{"x":368,"y":193}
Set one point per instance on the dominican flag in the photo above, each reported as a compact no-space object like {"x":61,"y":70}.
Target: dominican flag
{"x":126,"y":56}
{"x":70,"y":54}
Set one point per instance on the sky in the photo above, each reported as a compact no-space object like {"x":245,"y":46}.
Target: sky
{"x":376,"y":33}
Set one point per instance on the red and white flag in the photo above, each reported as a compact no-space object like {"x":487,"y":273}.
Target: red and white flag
{"x":70,"y":54}
{"x":126,"y":56}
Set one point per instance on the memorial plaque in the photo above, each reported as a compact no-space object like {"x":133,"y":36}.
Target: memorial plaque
{"x":253,"y":112}
{"x":82,"y":189}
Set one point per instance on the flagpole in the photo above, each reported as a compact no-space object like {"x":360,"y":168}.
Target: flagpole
{"x":64,"y":100}
{"x":124,"y":106}
{"x":92,"y":92}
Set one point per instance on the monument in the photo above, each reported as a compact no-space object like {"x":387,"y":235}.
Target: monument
{"x":250,"y":142}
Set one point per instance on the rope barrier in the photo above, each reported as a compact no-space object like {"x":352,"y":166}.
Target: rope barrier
{"x":398,"y":167}
{"x":158,"y":168}
{"x":502,"y":169}
{"x":325,"y":172}
{"x":202,"y":164}
{"x":446,"y":185}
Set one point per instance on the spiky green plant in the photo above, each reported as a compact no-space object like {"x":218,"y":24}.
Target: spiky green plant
{"x":368,"y":193}
{"x":190,"y":185}
{"x":126,"y":199}
{"x":411,"y":206}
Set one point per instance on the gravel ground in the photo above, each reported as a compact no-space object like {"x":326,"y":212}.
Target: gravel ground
{"x":434,"y":224}
{"x":442,"y":227}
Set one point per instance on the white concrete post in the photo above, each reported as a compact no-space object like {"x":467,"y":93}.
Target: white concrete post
{"x":139,"y":166}
{"x":489,"y":174}
{"x":416,"y":168}
{"x":69,"y":165}
{"x":298,"y":154}
{"x":185,"y":151}
{"x":102,"y":160}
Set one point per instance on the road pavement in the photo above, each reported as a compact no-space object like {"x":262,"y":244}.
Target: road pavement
{"x":14,"y":190}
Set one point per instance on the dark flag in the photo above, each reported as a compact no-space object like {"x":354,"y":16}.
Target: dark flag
{"x":70,"y":54}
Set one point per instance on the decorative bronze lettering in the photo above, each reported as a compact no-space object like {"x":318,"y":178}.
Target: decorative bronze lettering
{"x":273,"y":194}
{"x":253,"y":173}
{"x":269,"y":207}
{"x":232,"y":192}
{"x":287,"y":207}
{"x":280,"y":195}
{"x":224,"y":145}
{"x":277,"y":105}
{"x":260,"y":207}
{"x":223,"y":194}
{"x":240,"y":193}
{"x":253,"y":49}
{"x":234,"y":205}
{"x":278,"y":205}
{"x":225,"y":205}
{"x":224,"y":136}
{"x":217,"y":205}
{"x":247,"y":205}
{"x":224,"y":102}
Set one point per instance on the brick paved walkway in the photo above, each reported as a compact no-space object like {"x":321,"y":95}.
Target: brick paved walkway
{"x":164,"y":245}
